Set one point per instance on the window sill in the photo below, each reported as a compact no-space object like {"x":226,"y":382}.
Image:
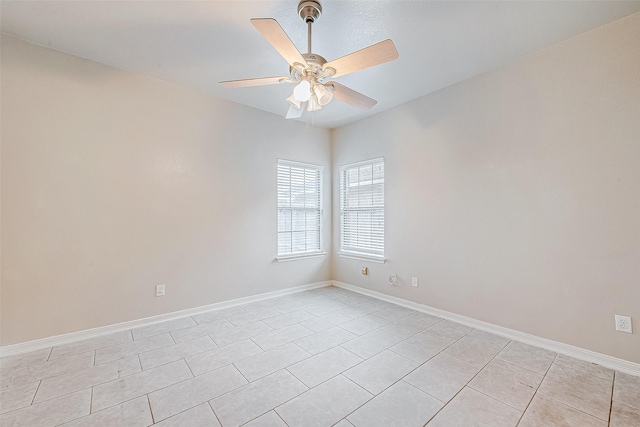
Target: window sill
{"x":286,"y":258}
{"x":362,"y":257}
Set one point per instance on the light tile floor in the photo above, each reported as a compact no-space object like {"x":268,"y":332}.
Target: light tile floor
{"x":324,"y":357}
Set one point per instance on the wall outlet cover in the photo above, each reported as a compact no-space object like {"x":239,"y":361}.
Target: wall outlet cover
{"x":414,"y":282}
{"x":623,"y":324}
{"x":160,"y":290}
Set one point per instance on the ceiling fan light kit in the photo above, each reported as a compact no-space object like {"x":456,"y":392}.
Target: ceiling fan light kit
{"x":302,"y":92}
{"x":309,"y":71}
{"x":293,"y":101}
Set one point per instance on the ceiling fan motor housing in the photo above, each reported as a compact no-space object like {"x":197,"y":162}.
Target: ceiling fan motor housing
{"x":314,"y":68}
{"x":314,"y":60}
{"x":309,"y":10}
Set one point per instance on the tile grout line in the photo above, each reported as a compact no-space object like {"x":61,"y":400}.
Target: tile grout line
{"x":564,"y":403}
{"x":174,"y":415}
{"x":34,"y":379}
{"x":311,"y":388}
{"x":91,"y":402}
{"x":76,"y":391}
{"x":467,"y":383}
{"x":364,"y":403}
{"x":140,"y":395}
{"x":251,"y":339}
{"x":91,"y":349}
{"x":278,"y":415}
{"x":153,"y":418}
{"x":180,"y":358}
{"x":153,"y":391}
{"x":188,"y":367}
{"x":627,"y":406}
{"x":144,"y":351}
{"x":366,"y":359}
{"x":357,"y":355}
{"x":302,"y":382}
{"x":404,"y":376}
{"x":434,"y":415}
{"x":521,"y":367}
{"x":214,"y":412}
{"x":246,"y":379}
{"x":500,"y":401}
{"x":491,"y":397}
{"x":572,"y":407}
{"x":258,"y":416}
{"x":34,"y":394}
{"x":258,"y":379}
{"x":537,"y":388}
{"x":613,"y":383}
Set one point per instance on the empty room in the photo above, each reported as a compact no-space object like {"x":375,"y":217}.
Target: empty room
{"x":320,"y":213}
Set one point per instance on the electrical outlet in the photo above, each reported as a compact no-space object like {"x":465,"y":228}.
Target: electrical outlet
{"x":414,"y":282}
{"x":393,"y":279}
{"x":623,"y":324}
{"x":159,"y":290}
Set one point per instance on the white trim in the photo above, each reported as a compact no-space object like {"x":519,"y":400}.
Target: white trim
{"x":351,"y":228}
{"x":555,"y":346}
{"x":57,"y":340}
{"x":301,"y":164}
{"x":286,"y":258}
{"x":362,"y":257}
{"x":363,"y":162}
{"x":320,"y":210}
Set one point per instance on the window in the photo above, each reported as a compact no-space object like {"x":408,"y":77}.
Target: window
{"x":362,"y":210}
{"x":299,"y":210}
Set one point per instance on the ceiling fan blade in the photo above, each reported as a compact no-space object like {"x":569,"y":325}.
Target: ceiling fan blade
{"x":262,"y":81}
{"x":378,"y":53}
{"x":351,"y":97}
{"x":273,"y":32}
{"x":295,"y":113}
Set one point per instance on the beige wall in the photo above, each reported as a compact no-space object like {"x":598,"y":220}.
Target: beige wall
{"x":113,"y":183}
{"x":515,"y":196}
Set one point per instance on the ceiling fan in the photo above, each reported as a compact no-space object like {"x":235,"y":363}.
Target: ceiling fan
{"x":310,"y":70}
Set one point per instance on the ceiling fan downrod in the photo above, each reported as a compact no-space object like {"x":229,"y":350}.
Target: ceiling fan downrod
{"x":309,"y":11}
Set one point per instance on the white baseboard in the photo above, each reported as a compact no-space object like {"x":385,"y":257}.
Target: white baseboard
{"x":555,"y":346}
{"x":57,"y":340}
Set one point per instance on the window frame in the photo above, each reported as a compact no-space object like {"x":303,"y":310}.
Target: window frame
{"x":320,"y":211}
{"x":348,"y":251}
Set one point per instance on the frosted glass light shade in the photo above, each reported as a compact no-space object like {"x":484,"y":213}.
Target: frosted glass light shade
{"x":323,"y":94}
{"x":302,"y":92}
{"x":313,"y":104}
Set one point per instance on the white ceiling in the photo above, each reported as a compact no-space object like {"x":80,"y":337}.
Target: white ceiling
{"x":199,"y":43}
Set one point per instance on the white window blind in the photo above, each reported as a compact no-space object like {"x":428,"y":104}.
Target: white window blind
{"x":362,"y":208}
{"x":299,"y":209}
